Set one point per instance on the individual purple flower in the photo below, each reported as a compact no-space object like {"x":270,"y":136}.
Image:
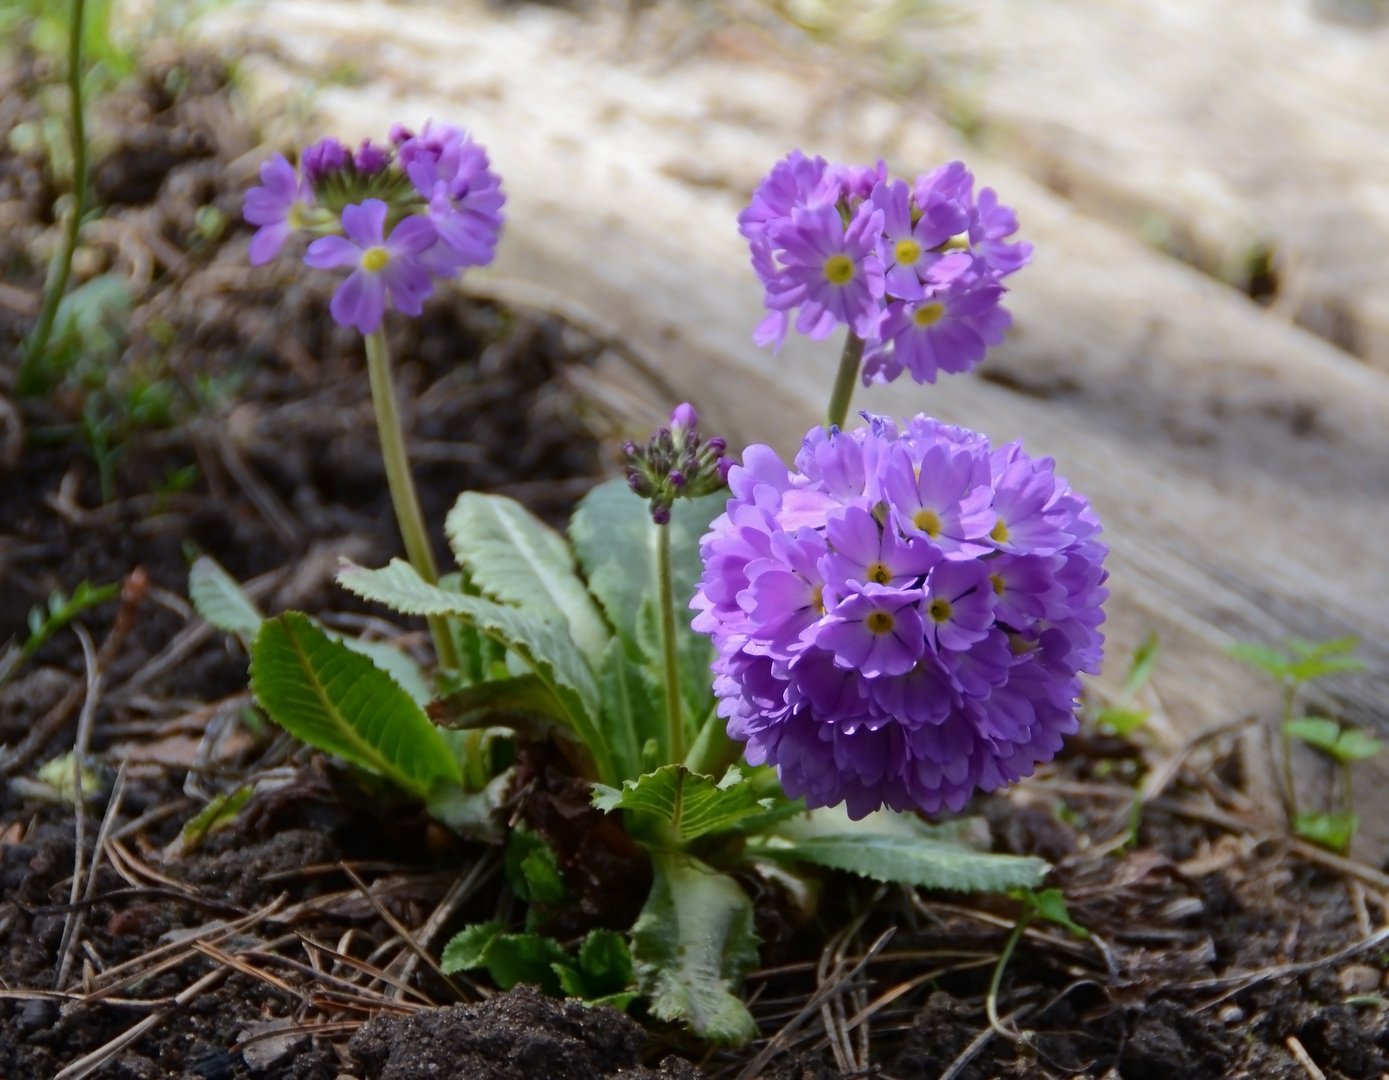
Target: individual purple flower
{"x":949,"y":329}
{"x":324,"y":159}
{"x":910,"y":236}
{"x":275,"y":207}
{"x":463,"y":196}
{"x":876,"y":643}
{"x":831,"y":273}
{"x":382,"y":268}
{"x":992,"y":223}
{"x":370,"y":158}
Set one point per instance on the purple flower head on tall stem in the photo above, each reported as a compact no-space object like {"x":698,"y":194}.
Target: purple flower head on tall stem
{"x":880,"y":640}
{"x":383,"y":268}
{"x":913,"y":270}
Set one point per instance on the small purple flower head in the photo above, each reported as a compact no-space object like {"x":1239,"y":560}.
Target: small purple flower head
{"x":912,"y":270}
{"x":901,"y":618}
{"x":436,"y":188}
{"x":382,"y":268}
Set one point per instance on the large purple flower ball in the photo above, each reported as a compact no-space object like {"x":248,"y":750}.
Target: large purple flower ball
{"x":902,"y":618}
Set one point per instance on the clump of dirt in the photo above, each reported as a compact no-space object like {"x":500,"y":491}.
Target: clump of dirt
{"x":515,"y":1036}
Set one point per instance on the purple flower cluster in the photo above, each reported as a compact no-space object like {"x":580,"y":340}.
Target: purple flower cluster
{"x":397,"y":218}
{"x":915,"y":271}
{"x":902,"y":619}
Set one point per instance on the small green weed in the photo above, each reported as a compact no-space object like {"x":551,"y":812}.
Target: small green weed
{"x":1295,"y":665}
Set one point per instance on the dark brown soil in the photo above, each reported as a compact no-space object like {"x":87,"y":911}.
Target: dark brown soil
{"x":279,"y":948}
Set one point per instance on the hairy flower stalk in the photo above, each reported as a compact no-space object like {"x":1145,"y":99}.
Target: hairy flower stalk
{"x":677,"y":462}
{"x":404,"y":499}
{"x":901,"y":618}
{"x":396,"y":219}
{"x":912,"y":271}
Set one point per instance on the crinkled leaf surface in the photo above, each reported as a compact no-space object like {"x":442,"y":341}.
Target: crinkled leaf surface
{"x":692,"y":804}
{"x":932,"y":864}
{"x":542,"y":644}
{"x":514,"y":557}
{"x":692,"y":945}
{"x":331,"y":697}
{"x":221,"y":600}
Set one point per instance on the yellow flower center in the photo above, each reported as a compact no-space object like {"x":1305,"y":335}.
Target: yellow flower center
{"x":928,"y":314}
{"x":374,"y":259}
{"x":908,"y":251}
{"x":817,"y":598}
{"x":928,"y":521}
{"x":940,"y":610}
{"x":956,"y":243}
{"x":839,"y":269}
{"x":996,"y":580}
{"x":880,"y":622}
{"x":879,"y":573}
{"x":999,"y":533}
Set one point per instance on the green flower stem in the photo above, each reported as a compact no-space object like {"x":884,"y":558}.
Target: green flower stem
{"x":403,"y":497}
{"x":58,"y":282}
{"x":991,"y":998}
{"x":849,"y":361}
{"x":675,"y":725}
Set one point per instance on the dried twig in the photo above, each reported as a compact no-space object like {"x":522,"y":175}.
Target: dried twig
{"x":72,"y":925}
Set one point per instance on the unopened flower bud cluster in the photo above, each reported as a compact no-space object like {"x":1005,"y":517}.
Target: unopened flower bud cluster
{"x":677,"y":462}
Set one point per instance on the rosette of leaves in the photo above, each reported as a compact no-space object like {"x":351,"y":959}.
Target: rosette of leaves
{"x":560,"y":639}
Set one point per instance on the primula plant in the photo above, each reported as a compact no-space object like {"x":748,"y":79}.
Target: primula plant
{"x":758,"y":668}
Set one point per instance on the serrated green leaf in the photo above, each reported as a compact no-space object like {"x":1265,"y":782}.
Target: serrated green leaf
{"x":602,"y":972}
{"x":220,"y":599}
{"x":691,"y":947}
{"x":532,"y":869}
{"x":515,"y":558}
{"x":615,"y":542}
{"x":509,"y":959}
{"x":326,"y":695}
{"x":544,"y":646}
{"x":691,"y":804}
{"x":1332,"y":831}
{"x":393,"y":662}
{"x":930,"y":864}
{"x":467,"y":949}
